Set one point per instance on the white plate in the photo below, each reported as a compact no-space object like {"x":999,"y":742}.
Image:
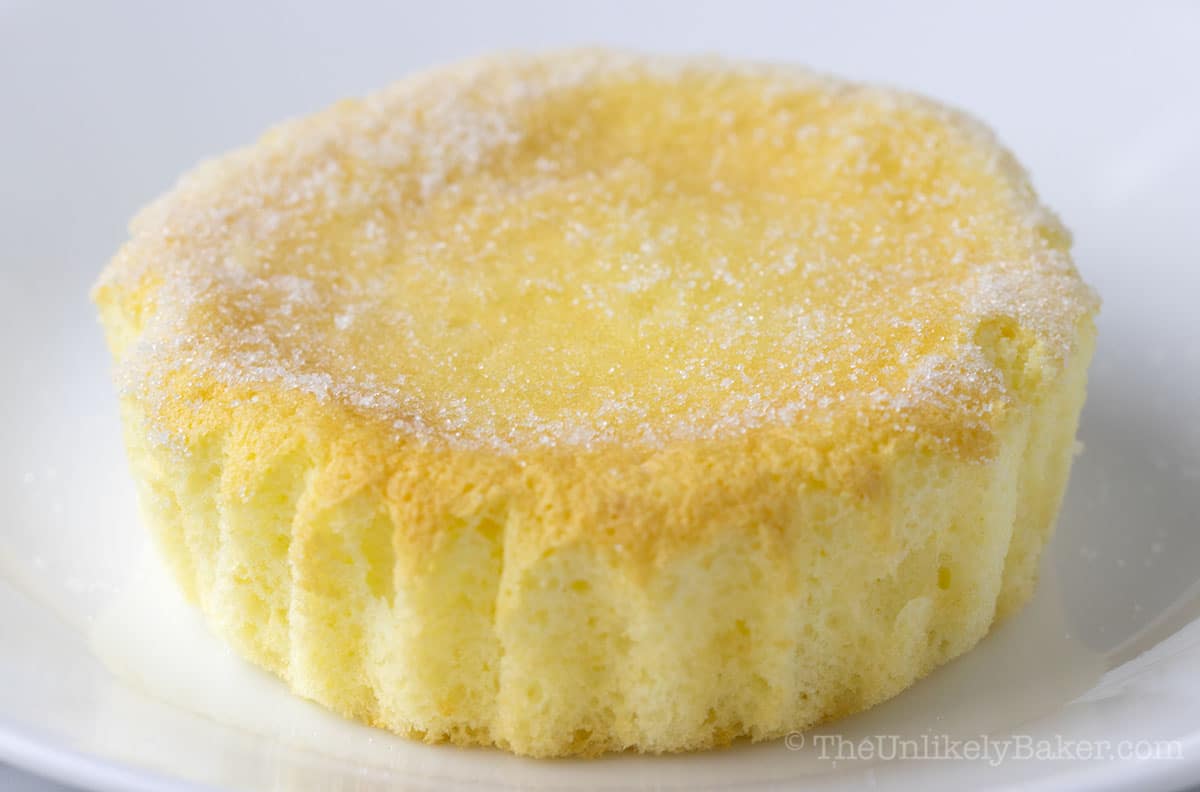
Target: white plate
{"x":108,"y":680}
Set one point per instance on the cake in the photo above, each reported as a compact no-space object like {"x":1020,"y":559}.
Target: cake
{"x":590,"y":401}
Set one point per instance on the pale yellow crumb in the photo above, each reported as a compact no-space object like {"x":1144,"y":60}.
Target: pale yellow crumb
{"x":588,"y":401}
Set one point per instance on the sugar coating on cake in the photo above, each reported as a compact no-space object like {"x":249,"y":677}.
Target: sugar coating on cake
{"x":602,"y":248}
{"x":591,"y":401}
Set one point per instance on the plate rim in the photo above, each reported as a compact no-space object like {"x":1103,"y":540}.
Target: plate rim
{"x":46,"y":757}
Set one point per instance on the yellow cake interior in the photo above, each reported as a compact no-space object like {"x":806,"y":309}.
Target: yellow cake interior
{"x":589,"y":401}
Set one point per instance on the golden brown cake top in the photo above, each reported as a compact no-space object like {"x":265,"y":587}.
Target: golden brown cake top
{"x":580,"y":249}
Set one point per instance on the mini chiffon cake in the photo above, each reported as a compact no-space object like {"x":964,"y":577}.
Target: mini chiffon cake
{"x":588,"y":401}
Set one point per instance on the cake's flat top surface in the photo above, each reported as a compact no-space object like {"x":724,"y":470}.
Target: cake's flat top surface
{"x":578,"y":249}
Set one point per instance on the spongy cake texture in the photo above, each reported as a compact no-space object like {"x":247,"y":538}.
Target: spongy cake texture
{"x":589,"y":401}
